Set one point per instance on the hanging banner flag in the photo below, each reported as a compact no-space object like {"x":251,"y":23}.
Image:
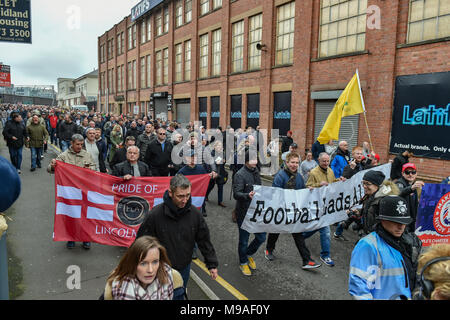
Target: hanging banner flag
{"x":433,"y":216}
{"x":15,"y":21}
{"x":277,"y":210}
{"x":95,"y":207}
{"x":350,"y":102}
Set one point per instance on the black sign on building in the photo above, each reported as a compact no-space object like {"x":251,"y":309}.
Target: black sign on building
{"x":15,"y":21}
{"x":203,"y":110}
{"x":253,"y":110}
{"x":236,"y":111}
{"x":421,"y":115}
{"x":282,"y":112}
{"x":215,"y":112}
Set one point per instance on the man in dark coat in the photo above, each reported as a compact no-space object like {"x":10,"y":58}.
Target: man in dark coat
{"x":158,"y":155}
{"x":132,"y":167}
{"x":66,"y":130}
{"x":243,"y":182}
{"x":178,"y":225}
{"x":397,"y":164}
{"x":15,"y":133}
{"x":409,"y":188}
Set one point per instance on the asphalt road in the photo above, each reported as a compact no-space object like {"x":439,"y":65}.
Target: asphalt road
{"x":42,"y":268}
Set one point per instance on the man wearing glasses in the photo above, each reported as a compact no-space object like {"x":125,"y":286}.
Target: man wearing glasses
{"x":158,"y":154}
{"x":410,"y":191}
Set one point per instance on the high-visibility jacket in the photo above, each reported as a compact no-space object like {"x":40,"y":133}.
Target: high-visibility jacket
{"x":377,"y":270}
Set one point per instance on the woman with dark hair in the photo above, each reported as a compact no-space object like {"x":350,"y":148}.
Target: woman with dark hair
{"x":143,"y":273}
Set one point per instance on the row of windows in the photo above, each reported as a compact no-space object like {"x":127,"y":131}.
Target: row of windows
{"x":342,"y":30}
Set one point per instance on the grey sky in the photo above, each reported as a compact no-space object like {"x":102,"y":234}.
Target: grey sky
{"x":64,"y":36}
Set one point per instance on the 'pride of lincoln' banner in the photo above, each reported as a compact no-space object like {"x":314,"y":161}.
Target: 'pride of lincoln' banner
{"x":93,"y":206}
{"x":277,"y":210}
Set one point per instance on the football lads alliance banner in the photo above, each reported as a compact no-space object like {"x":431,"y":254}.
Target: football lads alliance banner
{"x":97,"y":207}
{"x":433,"y":216}
{"x":277,"y":210}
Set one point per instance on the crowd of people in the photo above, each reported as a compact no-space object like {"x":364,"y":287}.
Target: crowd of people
{"x":137,"y":146}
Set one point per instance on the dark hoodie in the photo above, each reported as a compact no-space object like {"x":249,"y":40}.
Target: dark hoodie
{"x":178,"y":230}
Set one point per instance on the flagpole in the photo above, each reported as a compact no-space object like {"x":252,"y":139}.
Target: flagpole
{"x":364,"y":108}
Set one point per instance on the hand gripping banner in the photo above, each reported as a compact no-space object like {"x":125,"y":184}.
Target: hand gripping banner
{"x":97,"y":207}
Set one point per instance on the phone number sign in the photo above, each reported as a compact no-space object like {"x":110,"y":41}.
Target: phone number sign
{"x":15,"y":21}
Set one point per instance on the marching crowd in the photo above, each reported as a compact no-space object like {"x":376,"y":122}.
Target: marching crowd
{"x":384,"y":262}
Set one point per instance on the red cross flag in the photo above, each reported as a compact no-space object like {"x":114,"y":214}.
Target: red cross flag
{"x":96,"y":207}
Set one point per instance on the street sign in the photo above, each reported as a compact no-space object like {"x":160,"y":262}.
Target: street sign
{"x":15,"y":21}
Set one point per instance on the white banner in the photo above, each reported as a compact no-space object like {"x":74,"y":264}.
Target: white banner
{"x":277,"y":210}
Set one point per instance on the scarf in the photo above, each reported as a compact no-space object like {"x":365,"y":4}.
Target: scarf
{"x":131,"y":289}
{"x":292,"y":180}
{"x":404,"y":245}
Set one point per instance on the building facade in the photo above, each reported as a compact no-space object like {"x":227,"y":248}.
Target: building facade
{"x":80,"y":91}
{"x":278,"y":64}
{"x":28,"y":95}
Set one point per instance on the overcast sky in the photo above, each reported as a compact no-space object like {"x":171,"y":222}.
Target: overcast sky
{"x":64,"y":36}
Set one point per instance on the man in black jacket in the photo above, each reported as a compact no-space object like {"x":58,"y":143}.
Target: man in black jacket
{"x":15,"y":133}
{"x":178,"y":225}
{"x":158,"y":155}
{"x":398,"y":162}
{"x":66,"y":130}
{"x":243,"y":193}
{"x":121,"y":154}
{"x":408,"y":190}
{"x":132,"y":167}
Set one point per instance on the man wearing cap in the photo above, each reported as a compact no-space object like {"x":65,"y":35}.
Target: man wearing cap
{"x":410,"y":190}
{"x":384,"y":263}
{"x":375,"y":188}
{"x":287,"y":142}
{"x":398,"y":162}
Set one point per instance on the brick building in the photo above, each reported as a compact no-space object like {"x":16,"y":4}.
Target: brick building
{"x":278,"y":64}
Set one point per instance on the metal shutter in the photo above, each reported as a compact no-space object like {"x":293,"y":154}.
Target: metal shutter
{"x":349,"y":125}
{"x":183,"y":111}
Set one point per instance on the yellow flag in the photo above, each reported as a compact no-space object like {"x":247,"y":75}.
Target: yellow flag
{"x":349,"y":103}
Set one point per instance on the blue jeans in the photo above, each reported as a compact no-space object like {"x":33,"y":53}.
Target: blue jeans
{"x":244,"y":249}
{"x":36,"y":157}
{"x":65,"y":145}
{"x":185,"y":273}
{"x":16,"y":156}
{"x":324,"y":240}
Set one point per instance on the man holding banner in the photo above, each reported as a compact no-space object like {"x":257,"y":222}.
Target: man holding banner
{"x":290,"y":178}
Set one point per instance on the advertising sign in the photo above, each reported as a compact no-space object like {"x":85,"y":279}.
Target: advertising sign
{"x":15,"y":21}
{"x":5,"y":76}
{"x":421,"y":115}
{"x":142,"y":8}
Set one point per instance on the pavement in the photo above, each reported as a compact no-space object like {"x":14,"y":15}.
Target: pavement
{"x":41,"y":269}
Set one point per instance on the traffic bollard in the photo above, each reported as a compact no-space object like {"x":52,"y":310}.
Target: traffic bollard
{"x":4,"y":288}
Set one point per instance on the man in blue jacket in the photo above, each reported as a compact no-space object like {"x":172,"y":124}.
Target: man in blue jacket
{"x":290,"y":178}
{"x":384,"y":263}
{"x":341,"y":159}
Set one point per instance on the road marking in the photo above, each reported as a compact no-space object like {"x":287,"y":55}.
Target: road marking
{"x":211,"y":295}
{"x":55,"y":147}
{"x":221,"y":281}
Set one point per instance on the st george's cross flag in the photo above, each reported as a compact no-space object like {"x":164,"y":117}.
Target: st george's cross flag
{"x":95,"y":207}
